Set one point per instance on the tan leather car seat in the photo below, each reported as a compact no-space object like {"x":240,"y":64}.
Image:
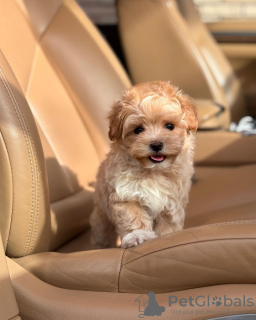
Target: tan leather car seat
{"x":53,"y":49}
{"x":70,"y":77}
{"x":166,"y":40}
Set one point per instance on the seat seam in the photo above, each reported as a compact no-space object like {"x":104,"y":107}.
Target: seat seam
{"x":9,"y":159}
{"x":131,"y":282}
{"x":175,"y":246}
{"x":119,"y":275}
{"x":35,"y":187}
{"x":69,"y":91}
{"x":51,"y":21}
{"x":31,"y":25}
{"x":32,"y":69}
{"x":37,"y":38}
{"x":209,"y":78}
{"x":2,"y":79}
{"x":189,"y":264}
{"x":65,"y":86}
{"x":186,"y":244}
{"x":56,"y":71}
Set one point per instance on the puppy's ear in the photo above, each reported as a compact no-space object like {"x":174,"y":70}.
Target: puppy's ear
{"x":116,"y":120}
{"x":189,"y":109}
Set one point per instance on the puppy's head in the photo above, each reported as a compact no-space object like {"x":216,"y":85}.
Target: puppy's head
{"x":152,"y":121}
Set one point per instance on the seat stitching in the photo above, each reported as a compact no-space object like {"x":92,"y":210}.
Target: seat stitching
{"x":142,"y":274}
{"x":184,"y":244}
{"x":119,"y":275}
{"x":34,"y":194}
{"x":26,"y":134}
{"x":190,"y":264}
{"x":2,"y":79}
{"x":10,"y":226}
{"x":186,"y":263}
{"x":194,"y":228}
{"x":129,"y":280}
{"x":70,"y":277}
{"x":37,"y":190}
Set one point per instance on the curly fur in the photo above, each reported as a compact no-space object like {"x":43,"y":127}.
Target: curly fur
{"x":136,"y":198}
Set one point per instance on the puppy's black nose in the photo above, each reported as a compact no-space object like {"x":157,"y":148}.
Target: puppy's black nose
{"x":156,"y":146}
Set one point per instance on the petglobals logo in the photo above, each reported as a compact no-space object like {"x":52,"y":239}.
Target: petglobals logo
{"x":148,"y":306}
{"x":207,"y":301}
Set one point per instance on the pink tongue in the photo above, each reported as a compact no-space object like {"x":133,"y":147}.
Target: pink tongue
{"x":157,"y":158}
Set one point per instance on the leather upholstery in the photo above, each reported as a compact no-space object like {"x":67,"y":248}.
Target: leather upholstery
{"x":165,"y":40}
{"x":70,"y":78}
{"x":172,"y":262}
{"x":40,"y":40}
{"x":218,"y":148}
{"x":8,"y":305}
{"x":24,"y":222}
{"x":211,"y":116}
{"x":230,"y":189}
{"x":41,"y":301}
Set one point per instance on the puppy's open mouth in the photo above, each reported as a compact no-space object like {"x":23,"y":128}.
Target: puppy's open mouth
{"x":157,"y":158}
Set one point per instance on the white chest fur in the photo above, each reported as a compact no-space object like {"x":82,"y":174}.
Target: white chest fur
{"x":154,"y":192}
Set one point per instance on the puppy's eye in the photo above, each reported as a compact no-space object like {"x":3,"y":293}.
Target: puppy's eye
{"x":138,"y":130}
{"x":169,"y":126}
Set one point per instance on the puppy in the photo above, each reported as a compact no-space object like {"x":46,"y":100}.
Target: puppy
{"x":142,"y":186}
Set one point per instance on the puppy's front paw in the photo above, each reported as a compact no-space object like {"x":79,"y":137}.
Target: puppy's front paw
{"x":136,"y":237}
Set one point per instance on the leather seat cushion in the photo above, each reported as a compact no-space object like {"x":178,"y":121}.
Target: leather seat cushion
{"x":219,"y":194}
{"x":49,"y":302}
{"x":193,"y":258}
{"x":226,"y":195}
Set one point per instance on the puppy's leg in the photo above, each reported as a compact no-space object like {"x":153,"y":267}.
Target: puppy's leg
{"x":133,"y":224}
{"x":168,"y":222}
{"x":103,"y":233}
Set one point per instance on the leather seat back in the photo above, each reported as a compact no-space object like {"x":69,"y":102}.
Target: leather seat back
{"x":165,"y":40}
{"x":70,"y":78}
{"x":24,"y":198}
{"x":214,"y":57}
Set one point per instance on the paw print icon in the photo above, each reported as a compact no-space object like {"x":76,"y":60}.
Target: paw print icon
{"x":216,"y":301}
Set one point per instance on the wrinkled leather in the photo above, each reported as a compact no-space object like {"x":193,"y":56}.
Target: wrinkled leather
{"x":95,"y":270}
{"x":193,"y":258}
{"x":41,"y":301}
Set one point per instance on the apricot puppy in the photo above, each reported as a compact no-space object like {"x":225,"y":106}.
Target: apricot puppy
{"x":143,"y":184}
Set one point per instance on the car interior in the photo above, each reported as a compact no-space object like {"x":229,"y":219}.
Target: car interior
{"x":59,"y":78}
